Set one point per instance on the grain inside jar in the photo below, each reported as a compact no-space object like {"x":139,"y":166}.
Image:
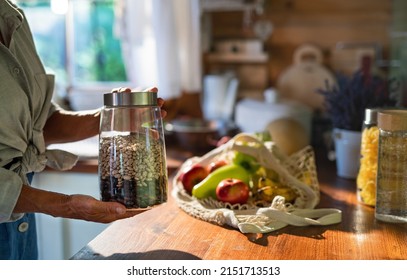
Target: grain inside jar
{"x":132,"y":171}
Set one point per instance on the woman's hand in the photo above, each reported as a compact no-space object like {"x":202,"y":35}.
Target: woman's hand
{"x":160,"y":101}
{"x":126,"y":89}
{"x":87,"y":208}
{"x":76,"y":206}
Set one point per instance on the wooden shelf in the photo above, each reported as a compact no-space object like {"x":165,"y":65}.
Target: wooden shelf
{"x":237,"y":58}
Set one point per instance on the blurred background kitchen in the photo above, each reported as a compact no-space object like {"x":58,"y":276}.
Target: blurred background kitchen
{"x":239,"y":65}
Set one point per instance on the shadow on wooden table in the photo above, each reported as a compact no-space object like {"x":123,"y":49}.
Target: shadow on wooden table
{"x":149,"y":255}
{"x":314,"y":232}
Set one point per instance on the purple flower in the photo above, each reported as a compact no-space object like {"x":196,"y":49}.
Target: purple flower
{"x":346,"y":101}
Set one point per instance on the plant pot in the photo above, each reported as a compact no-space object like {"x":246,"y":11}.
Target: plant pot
{"x":347,"y":149}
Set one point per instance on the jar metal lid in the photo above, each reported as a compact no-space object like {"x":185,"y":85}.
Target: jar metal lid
{"x":371,"y":116}
{"x":118,"y":99}
{"x":393,"y":120}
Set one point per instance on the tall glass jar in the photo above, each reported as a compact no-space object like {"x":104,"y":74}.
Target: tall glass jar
{"x":391,"y":196}
{"x":366,"y":179}
{"x":132,"y":155}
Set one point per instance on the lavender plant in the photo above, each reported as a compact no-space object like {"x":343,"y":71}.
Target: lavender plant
{"x":347,"y":100}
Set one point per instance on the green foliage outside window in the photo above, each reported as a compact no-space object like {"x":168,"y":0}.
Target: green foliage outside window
{"x":96,"y":54}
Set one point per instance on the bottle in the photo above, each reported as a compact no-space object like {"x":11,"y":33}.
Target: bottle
{"x":366,"y":179}
{"x":391,"y":196}
{"x":132,"y":155}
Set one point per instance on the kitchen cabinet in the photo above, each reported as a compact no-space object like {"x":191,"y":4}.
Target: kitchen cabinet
{"x":243,"y":56}
{"x":60,"y":238}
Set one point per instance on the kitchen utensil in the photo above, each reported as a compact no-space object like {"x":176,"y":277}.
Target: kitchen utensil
{"x":194,"y":134}
{"x":302,"y":80}
{"x":219,"y":96}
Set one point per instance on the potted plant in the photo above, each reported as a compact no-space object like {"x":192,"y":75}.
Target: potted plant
{"x":345,"y":104}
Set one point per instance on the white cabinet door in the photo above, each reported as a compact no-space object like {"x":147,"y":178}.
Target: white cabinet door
{"x":60,"y":238}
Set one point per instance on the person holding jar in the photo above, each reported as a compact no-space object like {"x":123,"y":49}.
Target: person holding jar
{"x":30,"y":122}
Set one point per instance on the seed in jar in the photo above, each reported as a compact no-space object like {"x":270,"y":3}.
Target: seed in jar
{"x":132,"y":161}
{"x":129,"y":187}
{"x":106,"y":191}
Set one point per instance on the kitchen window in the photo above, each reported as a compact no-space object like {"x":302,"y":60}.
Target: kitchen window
{"x":95,"y":45}
{"x":75,"y":40}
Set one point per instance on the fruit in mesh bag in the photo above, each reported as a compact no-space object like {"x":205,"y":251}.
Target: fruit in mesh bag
{"x":268,"y":189}
{"x":207,"y":187}
{"x":233,"y":191}
{"x":192,"y":176}
{"x":216,"y":164}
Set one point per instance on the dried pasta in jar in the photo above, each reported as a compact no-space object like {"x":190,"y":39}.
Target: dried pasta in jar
{"x":366,"y":179}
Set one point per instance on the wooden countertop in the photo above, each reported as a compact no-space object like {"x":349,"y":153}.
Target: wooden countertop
{"x":167,"y":232}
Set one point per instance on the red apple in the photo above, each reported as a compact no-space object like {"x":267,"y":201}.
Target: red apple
{"x":233,"y":191}
{"x":216,"y":164}
{"x":192,"y":176}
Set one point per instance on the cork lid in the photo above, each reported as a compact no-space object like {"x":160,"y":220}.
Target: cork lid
{"x":392,"y":120}
{"x":119,"y":99}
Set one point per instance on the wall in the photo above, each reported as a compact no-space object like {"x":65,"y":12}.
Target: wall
{"x":322,"y":22}
{"x":399,"y":46}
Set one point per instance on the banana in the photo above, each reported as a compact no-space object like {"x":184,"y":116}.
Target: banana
{"x":268,"y":189}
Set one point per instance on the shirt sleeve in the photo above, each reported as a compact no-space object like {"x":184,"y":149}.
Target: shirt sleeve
{"x":11,"y":185}
{"x":54,"y":107}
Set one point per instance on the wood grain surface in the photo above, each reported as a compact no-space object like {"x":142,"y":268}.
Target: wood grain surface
{"x":167,"y":232}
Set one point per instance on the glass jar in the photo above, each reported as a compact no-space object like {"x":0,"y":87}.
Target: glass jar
{"x":391,"y":196}
{"x":132,"y":155}
{"x":366,"y":179}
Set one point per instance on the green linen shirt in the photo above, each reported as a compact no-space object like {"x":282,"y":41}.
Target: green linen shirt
{"x":25,"y":104}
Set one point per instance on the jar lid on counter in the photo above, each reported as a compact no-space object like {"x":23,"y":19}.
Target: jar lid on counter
{"x":392,"y":120}
{"x":118,"y":99}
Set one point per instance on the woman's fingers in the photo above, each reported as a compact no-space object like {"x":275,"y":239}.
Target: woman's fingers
{"x":160,"y":101}
{"x":138,"y":89}
{"x":88,"y":208}
{"x":121,"y":89}
{"x":151,"y":89}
